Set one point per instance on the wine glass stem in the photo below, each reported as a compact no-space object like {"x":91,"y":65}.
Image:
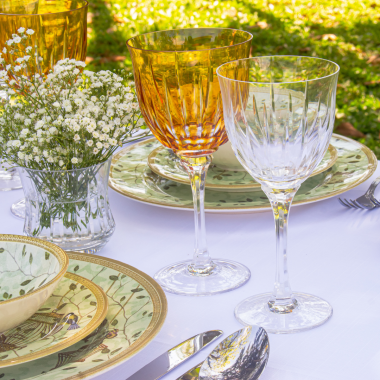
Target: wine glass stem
{"x":196,"y":167}
{"x":282,"y":300}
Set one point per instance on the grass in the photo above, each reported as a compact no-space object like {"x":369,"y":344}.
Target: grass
{"x":345,"y":31}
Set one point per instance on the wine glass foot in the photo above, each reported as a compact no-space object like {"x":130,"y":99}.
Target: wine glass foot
{"x":311,"y":312}
{"x":227,"y":275}
{"x":9,"y":179}
{"x":18,"y":208}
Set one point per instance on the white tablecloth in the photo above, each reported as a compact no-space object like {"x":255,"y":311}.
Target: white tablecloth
{"x":334,"y":253}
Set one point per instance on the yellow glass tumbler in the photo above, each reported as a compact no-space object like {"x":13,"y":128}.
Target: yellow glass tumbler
{"x":60,"y":27}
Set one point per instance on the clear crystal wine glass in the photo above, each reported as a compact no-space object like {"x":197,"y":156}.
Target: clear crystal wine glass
{"x":279,"y":113}
{"x":180,"y":99}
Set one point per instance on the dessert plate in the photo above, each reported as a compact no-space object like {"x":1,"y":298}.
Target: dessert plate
{"x":166,"y":164}
{"x":74,"y":310}
{"x":131,"y":176}
{"x":137,"y":310}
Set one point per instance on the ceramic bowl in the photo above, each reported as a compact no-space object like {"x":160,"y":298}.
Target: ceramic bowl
{"x":29,"y":272}
{"x":225,"y":158}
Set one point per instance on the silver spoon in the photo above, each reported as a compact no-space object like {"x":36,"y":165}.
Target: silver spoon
{"x":241,"y":356}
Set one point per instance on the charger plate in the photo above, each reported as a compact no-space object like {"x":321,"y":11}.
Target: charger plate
{"x":136,"y":313}
{"x":74,"y":310}
{"x":131,"y":176}
{"x":166,"y":164}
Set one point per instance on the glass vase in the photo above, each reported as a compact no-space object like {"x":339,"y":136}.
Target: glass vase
{"x":69,"y":208}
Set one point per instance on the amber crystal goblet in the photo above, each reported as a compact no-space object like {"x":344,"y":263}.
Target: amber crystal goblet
{"x":180,"y":99}
{"x":60,"y":31}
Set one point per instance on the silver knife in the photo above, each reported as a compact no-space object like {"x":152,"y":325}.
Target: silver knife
{"x":175,"y":356}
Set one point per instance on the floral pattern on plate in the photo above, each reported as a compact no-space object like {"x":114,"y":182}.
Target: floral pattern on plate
{"x":24,"y":268}
{"x":74,"y":310}
{"x":166,"y":164}
{"x":137,"y":310}
{"x":131,"y":176}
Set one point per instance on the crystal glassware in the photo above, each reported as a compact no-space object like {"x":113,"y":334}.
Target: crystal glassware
{"x":60,"y":32}
{"x":279,"y":113}
{"x":180,"y":99}
{"x":69,"y":208}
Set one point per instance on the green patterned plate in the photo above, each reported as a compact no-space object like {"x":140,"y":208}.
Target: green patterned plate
{"x":131,"y":176}
{"x":137,"y":310}
{"x":74,"y":310}
{"x":166,"y":164}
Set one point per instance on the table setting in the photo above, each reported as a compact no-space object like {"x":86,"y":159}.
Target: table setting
{"x":99,"y":278}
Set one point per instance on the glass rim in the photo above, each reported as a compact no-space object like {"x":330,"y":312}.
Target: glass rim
{"x":44,"y":14}
{"x":183,"y":51}
{"x":282,"y":56}
{"x":63,"y":170}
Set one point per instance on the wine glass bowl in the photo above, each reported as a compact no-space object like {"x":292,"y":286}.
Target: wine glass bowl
{"x":180,"y":100}
{"x":279,"y":113}
{"x":60,"y":28}
{"x":177,"y":87}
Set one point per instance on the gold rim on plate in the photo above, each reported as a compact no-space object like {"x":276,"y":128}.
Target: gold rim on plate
{"x":159,"y":303}
{"x":96,"y":320}
{"x":372,"y":164}
{"x":58,"y":252}
{"x":156,"y":169}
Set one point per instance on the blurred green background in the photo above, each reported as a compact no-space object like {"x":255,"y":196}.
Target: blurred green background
{"x":345,"y":31}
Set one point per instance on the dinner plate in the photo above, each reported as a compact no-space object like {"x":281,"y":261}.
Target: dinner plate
{"x":166,"y":164}
{"x":74,"y":310}
{"x":131,"y":176}
{"x":137,"y":310}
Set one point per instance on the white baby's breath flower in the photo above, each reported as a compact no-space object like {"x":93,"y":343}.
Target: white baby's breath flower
{"x":21,"y":30}
{"x":99,"y":145}
{"x":60,"y":163}
{"x":5,"y":50}
{"x":76,"y":137}
{"x":95,"y":135}
{"x":10,"y":42}
{"x":90,"y":143}
{"x":30,"y":32}
{"x":39,"y":124}
{"x":95,"y":151}
{"x":21,"y":155}
{"x":78,"y":102}
{"x":50,"y":159}
{"x":74,"y":160}
{"x":28,"y":49}
{"x":56,"y":104}
{"x":17,"y":40}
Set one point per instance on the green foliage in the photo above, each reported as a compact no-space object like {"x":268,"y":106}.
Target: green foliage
{"x":345,"y":31}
